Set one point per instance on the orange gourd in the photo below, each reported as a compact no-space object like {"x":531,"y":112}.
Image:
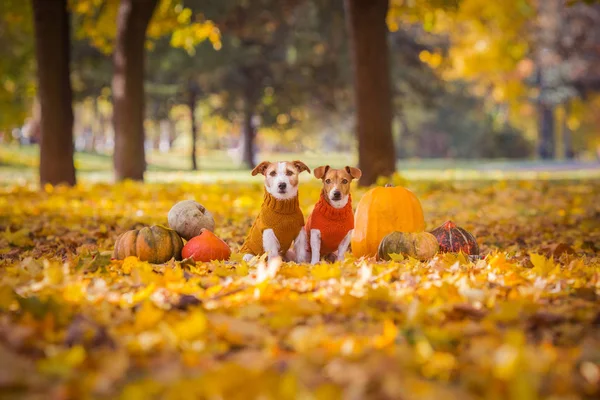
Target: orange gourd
{"x":155,"y":244}
{"x":383,"y":210}
{"x":206,"y":247}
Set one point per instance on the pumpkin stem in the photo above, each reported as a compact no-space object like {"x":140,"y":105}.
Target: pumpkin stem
{"x":388,"y":185}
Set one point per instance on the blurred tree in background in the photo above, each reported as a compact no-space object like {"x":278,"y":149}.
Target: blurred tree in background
{"x":425,"y":78}
{"x":123,"y":27}
{"x":372,"y":87}
{"x":53,"y":54}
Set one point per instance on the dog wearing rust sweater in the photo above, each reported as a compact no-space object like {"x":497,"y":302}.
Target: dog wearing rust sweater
{"x":330,"y":225}
{"x":280,"y":221}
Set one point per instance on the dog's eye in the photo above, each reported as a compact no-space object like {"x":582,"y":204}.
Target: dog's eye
{"x":328,"y":181}
{"x":345,"y":181}
{"x":273,"y":173}
{"x":289,"y":173}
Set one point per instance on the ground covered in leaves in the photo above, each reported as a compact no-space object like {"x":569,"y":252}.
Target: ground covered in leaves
{"x":521,"y":323}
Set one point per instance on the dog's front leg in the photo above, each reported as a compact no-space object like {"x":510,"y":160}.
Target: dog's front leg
{"x":315,"y":246}
{"x":270,"y":243}
{"x":300,"y":247}
{"x":343,"y":247}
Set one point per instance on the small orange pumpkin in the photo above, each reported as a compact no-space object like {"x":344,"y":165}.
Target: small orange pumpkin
{"x":206,"y":247}
{"x":155,"y":244}
{"x":381,"y":211}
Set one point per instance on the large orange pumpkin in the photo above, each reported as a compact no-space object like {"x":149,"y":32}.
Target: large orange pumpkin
{"x":155,"y":244}
{"x":206,"y":247}
{"x":383,"y":210}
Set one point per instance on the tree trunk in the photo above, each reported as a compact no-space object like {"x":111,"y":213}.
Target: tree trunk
{"x":548,"y":60}
{"x":249,"y":134}
{"x":52,"y":47}
{"x":128,"y":87}
{"x":372,"y":92}
{"x":546,"y":131}
{"x":567,"y":134}
{"x":172,"y":133}
{"x":192,"y":105}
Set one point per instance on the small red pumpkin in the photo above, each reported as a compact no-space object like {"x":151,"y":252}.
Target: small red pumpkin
{"x":206,"y":247}
{"x":454,"y":239}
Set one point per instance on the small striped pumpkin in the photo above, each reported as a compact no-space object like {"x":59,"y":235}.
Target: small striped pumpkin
{"x":155,"y":244}
{"x":454,"y":239}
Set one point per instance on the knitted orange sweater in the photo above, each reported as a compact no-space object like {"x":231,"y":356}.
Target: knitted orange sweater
{"x":334,"y":223}
{"x":283,"y":216}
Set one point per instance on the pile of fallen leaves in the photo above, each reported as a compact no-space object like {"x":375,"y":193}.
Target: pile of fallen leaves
{"x":521,"y":323}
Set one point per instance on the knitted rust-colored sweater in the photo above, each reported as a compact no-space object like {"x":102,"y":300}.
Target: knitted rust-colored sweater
{"x":334,"y":223}
{"x":283,"y":216}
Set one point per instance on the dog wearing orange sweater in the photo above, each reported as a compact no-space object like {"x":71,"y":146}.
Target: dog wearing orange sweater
{"x":329,"y":226}
{"x":280,"y":221}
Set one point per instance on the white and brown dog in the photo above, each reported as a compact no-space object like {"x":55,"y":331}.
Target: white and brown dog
{"x":280,"y":221}
{"x":330,"y":225}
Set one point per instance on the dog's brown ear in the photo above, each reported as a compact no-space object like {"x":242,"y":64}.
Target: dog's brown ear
{"x":260,"y":168}
{"x":355,"y":173}
{"x":321,"y":171}
{"x":301,"y":166}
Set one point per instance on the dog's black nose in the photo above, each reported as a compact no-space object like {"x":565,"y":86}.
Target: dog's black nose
{"x":337,"y":195}
{"x":282,"y":185}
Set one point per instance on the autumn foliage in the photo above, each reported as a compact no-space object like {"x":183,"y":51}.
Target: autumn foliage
{"x":520,"y":323}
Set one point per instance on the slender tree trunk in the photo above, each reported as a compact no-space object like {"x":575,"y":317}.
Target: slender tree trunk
{"x":249,"y":134}
{"x":548,"y":60}
{"x":567,"y":134}
{"x":248,"y":158}
{"x":192,"y":105}
{"x":546,"y":131}
{"x":128,"y":87}
{"x":52,"y":47}
{"x":372,"y":91}
{"x":172,"y":133}
{"x":94,"y":126}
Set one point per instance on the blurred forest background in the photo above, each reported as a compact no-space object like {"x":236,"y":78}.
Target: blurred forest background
{"x":385,"y":80}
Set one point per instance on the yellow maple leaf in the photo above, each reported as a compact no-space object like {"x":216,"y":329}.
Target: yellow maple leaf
{"x":543,"y":266}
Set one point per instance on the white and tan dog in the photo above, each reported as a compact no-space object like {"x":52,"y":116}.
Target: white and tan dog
{"x":280,"y":221}
{"x":329,"y":227}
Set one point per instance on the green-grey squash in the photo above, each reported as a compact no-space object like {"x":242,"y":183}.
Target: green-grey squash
{"x":419,"y":245}
{"x":189,"y":217}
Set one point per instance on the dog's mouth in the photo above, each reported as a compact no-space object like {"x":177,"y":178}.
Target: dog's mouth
{"x":282,"y":191}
